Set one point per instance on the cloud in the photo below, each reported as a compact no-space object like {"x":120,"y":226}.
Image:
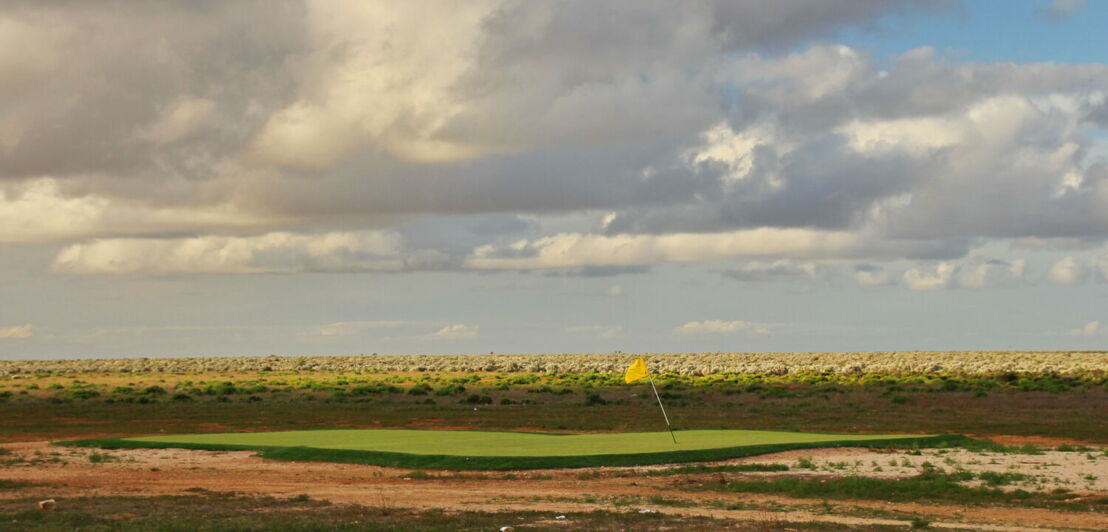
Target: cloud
{"x":17,"y":332}
{"x":461,"y":137}
{"x":722,"y":327}
{"x":928,"y":279}
{"x":568,"y":250}
{"x":1089,"y":329}
{"x":1061,"y":9}
{"x":269,"y":253}
{"x":40,"y":210}
{"x":454,"y":331}
{"x":347,"y":328}
{"x":402,"y":329}
{"x":1067,"y":272}
{"x":181,"y":119}
{"x":1101,"y":266}
{"x":781,"y":270}
{"x":991,"y":273}
{"x":600,"y":331}
{"x":598,"y":271}
{"x":870,"y":275}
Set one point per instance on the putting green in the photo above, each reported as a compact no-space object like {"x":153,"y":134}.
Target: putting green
{"x":511,"y":444}
{"x":456,"y":449}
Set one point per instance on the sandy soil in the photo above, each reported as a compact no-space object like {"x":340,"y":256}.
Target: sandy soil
{"x":67,"y":472}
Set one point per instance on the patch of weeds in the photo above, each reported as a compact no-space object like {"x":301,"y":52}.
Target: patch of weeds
{"x":418,"y":475}
{"x":926,"y":486}
{"x":594,"y":399}
{"x":99,"y":458}
{"x":475,"y":399}
{"x":13,"y":484}
{"x":450,"y":389}
{"x":704,"y":469}
{"x":993,"y":478}
{"x":420,"y":389}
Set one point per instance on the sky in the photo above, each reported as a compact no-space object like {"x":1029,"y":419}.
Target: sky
{"x":313,"y":177}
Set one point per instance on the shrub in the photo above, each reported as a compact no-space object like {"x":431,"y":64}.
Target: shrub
{"x":475,"y":399}
{"x":82,"y":395}
{"x":420,"y":389}
{"x":181,"y":397}
{"x":594,"y":399}
{"x":98,"y":458}
{"x":153,"y":390}
{"x":451,"y":389}
{"x":222,"y":388}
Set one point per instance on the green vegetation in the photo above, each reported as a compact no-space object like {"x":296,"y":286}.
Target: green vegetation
{"x":511,"y":450}
{"x":132,"y":403}
{"x":13,"y":484}
{"x":929,"y":486}
{"x":698,"y":469}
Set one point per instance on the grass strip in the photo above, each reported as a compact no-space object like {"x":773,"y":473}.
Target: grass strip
{"x":502,"y":463}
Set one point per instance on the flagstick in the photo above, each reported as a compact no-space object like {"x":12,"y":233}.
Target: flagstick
{"x":663,"y":409}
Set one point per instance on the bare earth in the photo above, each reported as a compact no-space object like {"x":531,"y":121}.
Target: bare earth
{"x":149,"y":472}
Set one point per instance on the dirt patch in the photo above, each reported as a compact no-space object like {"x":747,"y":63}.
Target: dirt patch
{"x":62,"y":472}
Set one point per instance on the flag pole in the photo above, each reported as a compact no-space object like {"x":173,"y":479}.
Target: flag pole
{"x":670,"y":427}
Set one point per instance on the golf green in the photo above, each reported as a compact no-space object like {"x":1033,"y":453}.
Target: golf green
{"x":480,"y":443}
{"x":459,"y":449}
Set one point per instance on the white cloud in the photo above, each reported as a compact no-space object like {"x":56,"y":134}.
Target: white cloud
{"x":722,"y":327}
{"x":1089,"y":329}
{"x":17,"y":332}
{"x":601,"y":331}
{"x":346,"y":328}
{"x":390,"y":87}
{"x":577,"y":249}
{"x":455,"y":331}
{"x":928,"y":279}
{"x":269,"y":253}
{"x":1068,"y":271}
{"x":991,"y":273}
{"x":39,"y":210}
{"x":781,"y":270}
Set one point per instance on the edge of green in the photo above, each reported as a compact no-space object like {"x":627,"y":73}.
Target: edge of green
{"x":503,"y":463}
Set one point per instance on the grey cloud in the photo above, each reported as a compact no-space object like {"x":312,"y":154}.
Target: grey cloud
{"x":781,"y":270}
{"x":598,"y":271}
{"x":119,"y":68}
{"x":544,"y":111}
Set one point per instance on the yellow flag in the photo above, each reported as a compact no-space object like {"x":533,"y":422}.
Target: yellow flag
{"x":636,"y":371}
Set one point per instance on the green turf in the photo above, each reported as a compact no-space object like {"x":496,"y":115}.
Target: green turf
{"x":482,"y":443}
{"x":510,"y":450}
